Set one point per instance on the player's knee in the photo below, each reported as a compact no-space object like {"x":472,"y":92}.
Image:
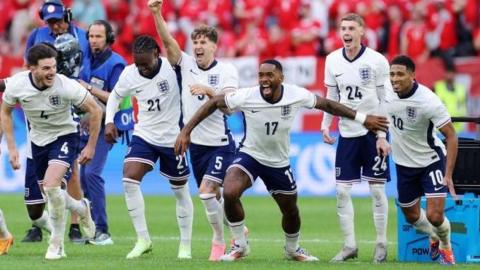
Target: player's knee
{"x":209,"y":187}
{"x":35,"y":211}
{"x":412,"y":218}
{"x":435,"y":217}
{"x":231,"y":194}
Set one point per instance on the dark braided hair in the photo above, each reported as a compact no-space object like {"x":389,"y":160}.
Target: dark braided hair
{"x":145,"y":44}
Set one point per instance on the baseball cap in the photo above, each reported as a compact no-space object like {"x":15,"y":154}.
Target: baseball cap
{"x":52,"y":11}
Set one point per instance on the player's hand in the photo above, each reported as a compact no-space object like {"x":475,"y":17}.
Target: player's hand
{"x":14,"y":159}
{"x":155,"y":5}
{"x":111,"y":133}
{"x":198,"y":90}
{"x":383,"y":147}
{"x":327,"y":138}
{"x":181,"y":144}
{"x":86,"y":155}
{"x":375,"y":123}
{"x":448,"y":181}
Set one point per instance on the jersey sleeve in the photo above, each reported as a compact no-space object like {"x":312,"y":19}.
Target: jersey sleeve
{"x":122,"y":88}
{"x":8,"y":96}
{"x":235,"y":100}
{"x":382,"y":74}
{"x":439,"y":114}
{"x":184,"y":60}
{"x":307,"y":98}
{"x":76,"y":92}
{"x":231,"y":80}
{"x":329,"y":79}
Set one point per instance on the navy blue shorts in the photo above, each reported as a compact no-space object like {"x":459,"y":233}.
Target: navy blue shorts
{"x":413,"y":183}
{"x":277,"y":180}
{"x":32,"y":195}
{"x":357,"y":160}
{"x":211,"y":162}
{"x":63,"y":151}
{"x":171,"y":166}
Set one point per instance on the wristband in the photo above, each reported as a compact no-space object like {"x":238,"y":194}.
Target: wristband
{"x":360,"y":117}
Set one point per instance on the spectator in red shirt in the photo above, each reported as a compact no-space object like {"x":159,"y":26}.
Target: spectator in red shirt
{"x":253,"y":41}
{"x":306,"y":34}
{"x":286,"y":12}
{"x":395,"y":22}
{"x":278,"y":44}
{"x":413,"y":36}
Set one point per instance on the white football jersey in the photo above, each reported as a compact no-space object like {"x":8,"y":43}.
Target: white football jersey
{"x":158,"y":119}
{"x":358,"y":83}
{"x":413,"y":120}
{"x":213,"y":131}
{"x":267,"y":126}
{"x":48,"y":111}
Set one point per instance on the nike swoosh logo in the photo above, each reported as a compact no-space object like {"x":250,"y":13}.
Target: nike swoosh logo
{"x":138,"y":91}
{"x":338,"y":75}
{"x":377,"y":174}
{"x":212,"y":172}
{"x":253,"y":111}
{"x":182,"y":172}
{"x":437,"y":188}
{"x":25,"y":101}
{"x":62,"y":156}
{"x":191,"y":70}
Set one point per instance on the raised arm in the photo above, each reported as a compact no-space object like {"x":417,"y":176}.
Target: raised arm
{"x":7,"y":128}
{"x":183,"y":139}
{"x":371,"y":122}
{"x":452,"y":148}
{"x":90,"y":106}
{"x":173,"y":49}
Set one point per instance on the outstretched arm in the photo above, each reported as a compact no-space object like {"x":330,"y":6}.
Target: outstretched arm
{"x":183,"y":139}
{"x":371,"y":122}
{"x":173,"y":50}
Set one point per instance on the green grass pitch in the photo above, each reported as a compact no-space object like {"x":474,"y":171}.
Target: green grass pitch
{"x":320,"y":235}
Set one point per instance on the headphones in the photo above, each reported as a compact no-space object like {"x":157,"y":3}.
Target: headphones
{"x":110,"y":36}
{"x":67,"y":12}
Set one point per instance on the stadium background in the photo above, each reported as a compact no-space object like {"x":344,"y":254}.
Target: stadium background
{"x":299,"y":32}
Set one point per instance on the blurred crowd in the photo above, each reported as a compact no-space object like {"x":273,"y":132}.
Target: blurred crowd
{"x":268,"y":28}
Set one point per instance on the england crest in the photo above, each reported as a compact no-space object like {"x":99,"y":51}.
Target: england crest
{"x":285,"y":110}
{"x":54,"y":100}
{"x":163,"y":86}
{"x":365,"y":74}
{"x":213,"y":79}
{"x":411,"y":114}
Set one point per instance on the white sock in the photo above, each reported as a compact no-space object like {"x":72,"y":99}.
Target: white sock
{"x":238,"y":232}
{"x":74,"y":205}
{"x":380,"y":211}
{"x":136,"y":207}
{"x":443,"y":232}
{"x":56,"y":211}
{"x":423,"y":225}
{"x":221,"y":201}
{"x":345,"y":213}
{"x":214,"y":215}
{"x":43,"y":222}
{"x":4,"y":233}
{"x":291,"y":241}
{"x":184,"y":213}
